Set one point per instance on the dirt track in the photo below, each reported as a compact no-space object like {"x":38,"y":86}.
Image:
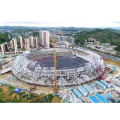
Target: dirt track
{"x":56,"y":100}
{"x":111,"y":62}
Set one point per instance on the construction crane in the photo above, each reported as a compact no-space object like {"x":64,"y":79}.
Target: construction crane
{"x":55,"y":71}
{"x":99,"y":69}
{"x":55,"y":63}
{"x":34,"y":87}
{"x":101,"y":74}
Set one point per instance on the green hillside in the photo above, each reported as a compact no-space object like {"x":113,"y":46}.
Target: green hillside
{"x":103,"y":35}
{"x":4,"y":38}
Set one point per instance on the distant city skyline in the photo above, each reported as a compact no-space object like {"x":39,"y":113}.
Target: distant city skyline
{"x":49,"y":13}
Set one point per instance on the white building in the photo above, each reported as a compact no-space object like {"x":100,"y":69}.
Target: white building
{"x":14,"y":45}
{"x":31,"y":41}
{"x":3,"y":49}
{"x":6,"y":46}
{"x":45,"y":39}
{"x":41,"y":38}
{"x":20,"y":42}
{"x":36,"y":43}
{"x":62,"y":38}
{"x":27,"y":44}
{"x":72,"y":41}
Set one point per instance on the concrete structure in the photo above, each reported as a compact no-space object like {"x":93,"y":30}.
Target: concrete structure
{"x":62,"y":44}
{"x":31,"y":41}
{"x":72,"y":68}
{"x":72,"y":41}
{"x":27,"y":44}
{"x":36,"y":43}
{"x":41,"y":38}
{"x":4,"y":48}
{"x":11,"y":42}
{"x":62,"y":38}
{"x":20,"y":42}
{"x":6,"y":70}
{"x":65,"y":44}
{"x":14,"y":45}
{"x":44,"y":39}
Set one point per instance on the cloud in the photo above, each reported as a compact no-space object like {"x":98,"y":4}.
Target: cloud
{"x":117,"y":22}
{"x":76,"y":23}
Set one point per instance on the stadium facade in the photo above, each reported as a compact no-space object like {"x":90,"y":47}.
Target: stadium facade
{"x":73,"y":66}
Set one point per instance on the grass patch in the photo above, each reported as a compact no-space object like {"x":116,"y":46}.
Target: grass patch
{"x":1,"y":101}
{"x":1,"y":90}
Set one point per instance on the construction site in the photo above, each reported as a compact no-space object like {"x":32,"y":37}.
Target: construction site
{"x":63,"y":74}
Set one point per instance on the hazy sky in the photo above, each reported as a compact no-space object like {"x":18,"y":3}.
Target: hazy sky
{"x":76,"y":13}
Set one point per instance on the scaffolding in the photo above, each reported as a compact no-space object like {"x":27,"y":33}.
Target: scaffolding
{"x":66,"y":76}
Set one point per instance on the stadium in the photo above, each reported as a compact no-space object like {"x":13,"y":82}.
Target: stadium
{"x":73,"y":66}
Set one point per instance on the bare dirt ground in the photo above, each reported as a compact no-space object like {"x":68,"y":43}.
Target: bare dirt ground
{"x":56,"y":100}
{"x":111,"y":62}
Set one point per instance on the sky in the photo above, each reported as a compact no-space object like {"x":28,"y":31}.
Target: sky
{"x":57,"y":13}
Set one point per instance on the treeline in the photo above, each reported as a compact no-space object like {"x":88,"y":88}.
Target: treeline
{"x":4,"y":37}
{"x":102,"y":35}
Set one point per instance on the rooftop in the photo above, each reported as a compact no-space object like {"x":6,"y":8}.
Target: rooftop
{"x":104,"y":82}
{"x":78,"y":94}
{"x":101,"y":98}
{"x":100,"y":84}
{"x":83,"y":89}
{"x":94,"y":99}
{"x":88,"y":87}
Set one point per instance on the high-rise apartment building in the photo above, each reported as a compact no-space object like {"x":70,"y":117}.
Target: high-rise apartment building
{"x":62,"y":38}
{"x":27,"y":44}
{"x":36,"y":43}
{"x":72,"y":41}
{"x":31,"y":41}
{"x":20,"y":42}
{"x":14,"y":45}
{"x":41,"y":38}
{"x":45,"y":39}
{"x":4,"y":48}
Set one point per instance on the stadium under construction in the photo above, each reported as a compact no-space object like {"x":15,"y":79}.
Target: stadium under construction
{"x":73,"y":66}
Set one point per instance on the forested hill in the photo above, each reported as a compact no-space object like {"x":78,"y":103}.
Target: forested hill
{"x":4,"y":38}
{"x":103,"y":35}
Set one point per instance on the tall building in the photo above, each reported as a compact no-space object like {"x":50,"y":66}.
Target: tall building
{"x":36,"y":43}
{"x":14,"y":45}
{"x":72,"y":41}
{"x":11,"y":42}
{"x":20,"y":42}
{"x":62,"y":38}
{"x":31,"y":41}
{"x":45,"y":39}
{"x":41,"y":38}
{"x":27,"y":44}
{"x":4,"y":48}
